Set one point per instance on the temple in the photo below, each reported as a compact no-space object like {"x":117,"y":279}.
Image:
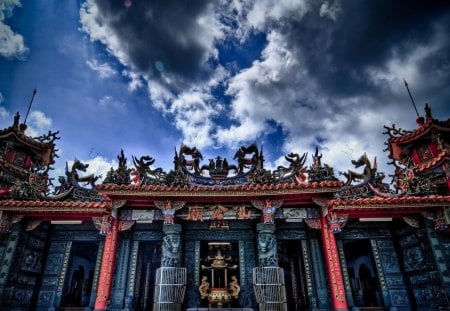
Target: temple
{"x":227,"y":234}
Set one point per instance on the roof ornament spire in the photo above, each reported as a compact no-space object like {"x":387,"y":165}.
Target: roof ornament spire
{"x":419,"y":119}
{"x":29,"y":106}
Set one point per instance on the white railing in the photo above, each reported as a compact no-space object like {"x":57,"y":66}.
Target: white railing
{"x":170,"y":286}
{"x":269,"y":287}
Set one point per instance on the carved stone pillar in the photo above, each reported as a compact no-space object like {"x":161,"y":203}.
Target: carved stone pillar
{"x":267,"y":245}
{"x":171,"y":254}
{"x":170,"y":282}
{"x":107,"y":266}
{"x":333,"y":266}
{"x":268,"y":278}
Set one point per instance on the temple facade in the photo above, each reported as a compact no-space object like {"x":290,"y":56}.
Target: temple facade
{"x":227,"y":234}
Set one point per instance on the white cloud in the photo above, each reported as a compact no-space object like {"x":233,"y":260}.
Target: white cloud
{"x":89,"y":18}
{"x":330,"y":10}
{"x":104,"y":70}
{"x":265,"y":11}
{"x":255,"y":101}
{"x":11,"y":44}
{"x":38,"y":123}
{"x":407,"y":65}
{"x":278,"y":88}
{"x":135,"y":80}
{"x":5,"y":118}
{"x":2,"y":99}
{"x":108,"y":102}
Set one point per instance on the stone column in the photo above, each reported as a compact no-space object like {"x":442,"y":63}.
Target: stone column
{"x":107,"y":266}
{"x":171,"y":252}
{"x":170,"y":283}
{"x":268,"y":278}
{"x":333,"y":266}
{"x":267,"y":245}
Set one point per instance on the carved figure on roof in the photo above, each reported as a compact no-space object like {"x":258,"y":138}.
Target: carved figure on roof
{"x":256,"y":160}
{"x":295,"y":172}
{"x":16,"y":120}
{"x":218,"y":168}
{"x":35,"y":187}
{"x":196,"y":157}
{"x":428,"y":112}
{"x":122,"y":174}
{"x":319,"y":172}
{"x":50,"y":137}
{"x":393,"y":131}
{"x":144,"y":175}
{"x":406,"y":181}
{"x":367,"y":173}
{"x":74,"y":179}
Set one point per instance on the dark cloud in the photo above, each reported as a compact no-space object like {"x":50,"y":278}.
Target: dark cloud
{"x":155,"y":33}
{"x":366,"y":34}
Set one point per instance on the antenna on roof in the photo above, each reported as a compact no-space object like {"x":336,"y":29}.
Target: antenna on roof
{"x":29,"y":106}
{"x":412,"y":99}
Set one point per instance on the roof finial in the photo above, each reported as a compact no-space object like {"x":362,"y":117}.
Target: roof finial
{"x":29,"y":106}
{"x":428,"y":112}
{"x":419,"y":119}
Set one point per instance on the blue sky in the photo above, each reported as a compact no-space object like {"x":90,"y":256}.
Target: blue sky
{"x":146,"y":76}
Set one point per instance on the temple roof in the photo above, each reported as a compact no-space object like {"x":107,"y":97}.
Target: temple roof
{"x":43,"y":144}
{"x":307,"y":187}
{"x":400,"y":139}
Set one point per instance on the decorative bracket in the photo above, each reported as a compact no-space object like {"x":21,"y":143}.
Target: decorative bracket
{"x":168,"y":209}
{"x":268,"y":208}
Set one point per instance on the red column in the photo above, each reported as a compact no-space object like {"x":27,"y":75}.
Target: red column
{"x":333,"y":267}
{"x":107,"y":267}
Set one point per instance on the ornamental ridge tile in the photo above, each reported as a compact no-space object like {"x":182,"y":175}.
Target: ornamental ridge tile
{"x":396,"y":200}
{"x":215,"y":188}
{"x":421,"y":130}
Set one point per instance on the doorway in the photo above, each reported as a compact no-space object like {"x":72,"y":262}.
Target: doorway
{"x":290,"y":259}
{"x":78,"y":285}
{"x":148,"y":261}
{"x":362,"y":273}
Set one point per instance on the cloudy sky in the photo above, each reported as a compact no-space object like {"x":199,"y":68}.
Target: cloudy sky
{"x":290,"y":75}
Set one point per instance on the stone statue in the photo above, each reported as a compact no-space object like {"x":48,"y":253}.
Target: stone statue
{"x":267,"y":247}
{"x":204,"y":287}
{"x":234,"y":287}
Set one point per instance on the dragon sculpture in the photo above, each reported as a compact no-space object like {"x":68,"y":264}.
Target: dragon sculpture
{"x":144,"y":175}
{"x":74,"y":179}
{"x":191,"y":165}
{"x":256,"y":160}
{"x":370,"y":181}
{"x":365,"y":176}
{"x":295,"y":172}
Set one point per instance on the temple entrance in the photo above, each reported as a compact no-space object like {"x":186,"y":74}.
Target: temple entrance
{"x":78,"y":285}
{"x":362,"y":274}
{"x":290,"y":259}
{"x":149,"y":259}
{"x":219,"y":274}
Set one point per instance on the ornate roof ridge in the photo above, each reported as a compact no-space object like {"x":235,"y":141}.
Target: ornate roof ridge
{"x":421,"y":130}
{"x":391,"y":200}
{"x":219,"y":188}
